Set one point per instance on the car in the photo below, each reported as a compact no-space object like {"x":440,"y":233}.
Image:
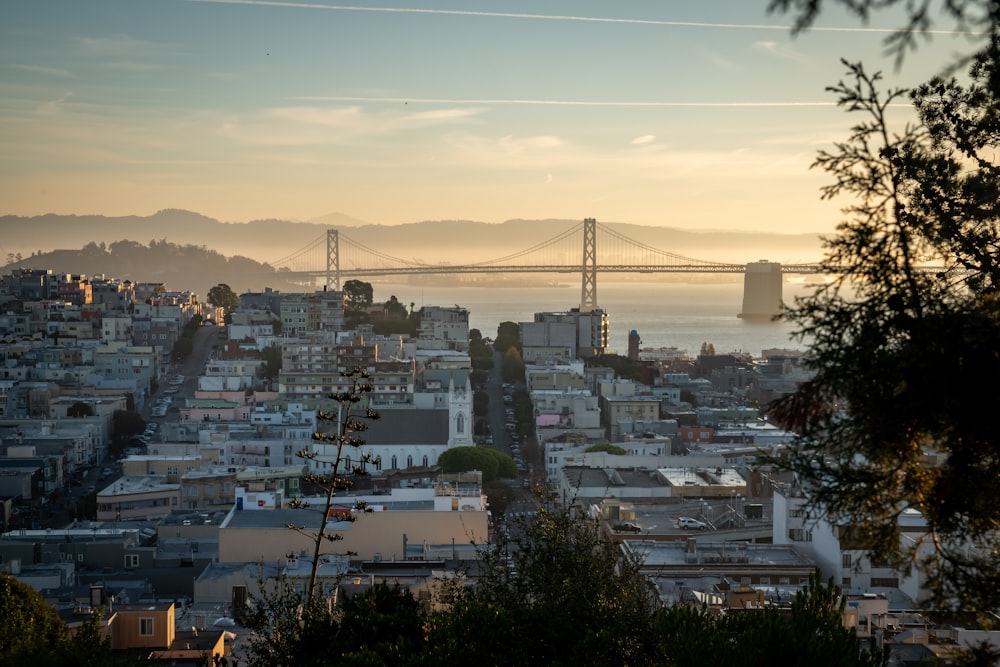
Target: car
{"x":687,"y":523}
{"x":627,"y":527}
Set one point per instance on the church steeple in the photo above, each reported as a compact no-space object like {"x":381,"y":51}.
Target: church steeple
{"x":460,"y":414}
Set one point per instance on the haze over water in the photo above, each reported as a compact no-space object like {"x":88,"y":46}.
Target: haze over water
{"x":665,"y":314}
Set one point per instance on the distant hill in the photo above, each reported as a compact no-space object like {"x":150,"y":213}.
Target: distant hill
{"x":179,"y":268}
{"x":439,"y":241}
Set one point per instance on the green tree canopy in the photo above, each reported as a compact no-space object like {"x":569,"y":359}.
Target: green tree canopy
{"x":904,"y":359}
{"x":30,"y":629}
{"x":394,"y":309}
{"x":812,"y":634}
{"x":467,"y":459}
{"x":358,"y":294}
{"x":607,"y":448}
{"x":512,"y":366}
{"x":569,"y":599}
{"x":508,"y":335}
{"x":223,"y":296}
{"x":80,"y":409}
{"x":271,"y":355}
{"x":499,"y":495}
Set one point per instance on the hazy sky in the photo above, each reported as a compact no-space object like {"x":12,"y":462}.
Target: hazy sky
{"x":697,"y":115}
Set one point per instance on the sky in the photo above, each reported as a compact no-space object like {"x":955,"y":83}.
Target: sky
{"x":695,"y":115}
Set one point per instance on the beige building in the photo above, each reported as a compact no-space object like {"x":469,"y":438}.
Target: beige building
{"x":444,"y":514}
{"x":616,"y":409}
{"x":170,"y":466}
{"x":152,"y":626}
{"x":137,"y":499}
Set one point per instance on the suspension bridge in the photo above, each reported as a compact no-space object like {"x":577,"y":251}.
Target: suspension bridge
{"x":336,"y":257}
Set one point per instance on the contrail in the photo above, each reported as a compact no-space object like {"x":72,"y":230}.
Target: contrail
{"x":562,"y":17}
{"x":578,"y":103}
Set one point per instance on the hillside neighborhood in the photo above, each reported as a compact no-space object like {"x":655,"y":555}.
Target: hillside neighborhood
{"x":151,"y":441}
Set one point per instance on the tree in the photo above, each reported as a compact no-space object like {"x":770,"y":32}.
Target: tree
{"x":606,"y":448}
{"x":222,"y":296}
{"x":812,"y":633}
{"x":480,"y":403}
{"x":182,"y":348}
{"x":288,"y":628}
{"x":271,"y":356}
{"x":393,"y":309}
{"x":125,"y":423}
{"x":381,"y":627}
{"x":466,"y":459}
{"x":358,"y":295}
{"x":508,"y":335}
{"x":292,"y":627}
{"x":511,"y":366}
{"x":499,"y":495}
{"x":904,"y":359}
{"x":351,"y":418}
{"x":977,"y":20}
{"x":560,"y":594}
{"x":80,"y":409}
{"x":31,"y":629}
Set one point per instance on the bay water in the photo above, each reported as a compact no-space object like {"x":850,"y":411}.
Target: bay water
{"x":665,"y":314}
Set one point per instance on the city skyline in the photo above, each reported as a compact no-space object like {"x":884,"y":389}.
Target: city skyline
{"x":702,"y":117}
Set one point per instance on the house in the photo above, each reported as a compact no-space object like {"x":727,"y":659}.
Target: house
{"x":152,"y":627}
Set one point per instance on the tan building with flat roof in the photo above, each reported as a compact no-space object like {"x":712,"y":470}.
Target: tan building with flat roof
{"x":455,"y":515}
{"x":137,"y":499}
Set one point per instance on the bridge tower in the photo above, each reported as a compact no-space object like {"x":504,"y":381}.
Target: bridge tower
{"x":332,"y":259}
{"x":762,"y":290}
{"x":588,"y":291}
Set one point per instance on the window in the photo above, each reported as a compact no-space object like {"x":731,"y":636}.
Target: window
{"x":845,"y":560}
{"x":146,"y":627}
{"x":131,"y":560}
{"x":885,"y":582}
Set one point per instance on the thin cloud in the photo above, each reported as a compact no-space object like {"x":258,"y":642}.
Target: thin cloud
{"x":562,"y":17}
{"x":53,"y":106}
{"x":777,"y":50}
{"x":305,"y":125}
{"x":645,"y":139}
{"x":39,"y":69}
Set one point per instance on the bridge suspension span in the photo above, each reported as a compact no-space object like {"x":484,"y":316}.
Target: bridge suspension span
{"x":588,"y":248}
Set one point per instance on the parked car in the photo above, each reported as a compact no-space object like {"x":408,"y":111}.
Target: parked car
{"x":687,"y":523}
{"x":627,"y":527}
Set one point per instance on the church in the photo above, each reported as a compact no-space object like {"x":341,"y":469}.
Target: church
{"x":414,"y":435}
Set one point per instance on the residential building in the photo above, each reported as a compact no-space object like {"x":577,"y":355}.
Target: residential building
{"x":443,"y":328}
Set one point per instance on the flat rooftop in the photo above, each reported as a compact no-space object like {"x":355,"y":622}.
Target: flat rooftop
{"x":132,"y":484}
{"x":695,"y":554}
{"x":718,"y":476}
{"x":307,"y":517}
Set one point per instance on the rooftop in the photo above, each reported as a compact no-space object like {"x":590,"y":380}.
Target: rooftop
{"x":694,"y":555}
{"x":133,"y":484}
{"x":727,"y":477}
